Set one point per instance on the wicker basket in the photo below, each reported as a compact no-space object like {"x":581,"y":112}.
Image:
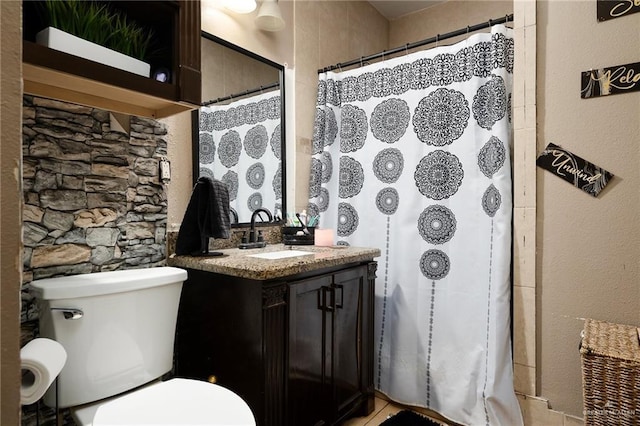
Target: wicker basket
{"x":610,"y":374}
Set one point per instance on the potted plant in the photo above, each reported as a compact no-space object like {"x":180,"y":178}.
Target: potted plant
{"x":92,"y":30}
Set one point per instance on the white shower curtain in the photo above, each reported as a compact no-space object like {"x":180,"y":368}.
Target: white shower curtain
{"x":240,"y":145}
{"x":411,"y":155}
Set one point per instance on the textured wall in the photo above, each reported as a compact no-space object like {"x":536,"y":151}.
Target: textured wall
{"x":93,"y":200}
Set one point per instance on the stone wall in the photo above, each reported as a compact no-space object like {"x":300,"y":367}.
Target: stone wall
{"x":93,"y":199}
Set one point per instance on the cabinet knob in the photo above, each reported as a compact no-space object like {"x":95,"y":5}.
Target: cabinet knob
{"x":212,"y":379}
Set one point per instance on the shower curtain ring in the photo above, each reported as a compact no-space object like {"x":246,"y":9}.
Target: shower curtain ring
{"x":437,"y":39}
{"x":406,"y":49}
{"x":361,"y":60}
{"x":468,"y":29}
{"x":339,"y":67}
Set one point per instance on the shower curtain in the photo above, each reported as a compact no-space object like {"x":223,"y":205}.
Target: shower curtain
{"x":240,"y":145}
{"x":411,"y":155}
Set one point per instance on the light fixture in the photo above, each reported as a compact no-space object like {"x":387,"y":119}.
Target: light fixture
{"x":269,"y":17}
{"x":162,"y":74}
{"x":241,"y":6}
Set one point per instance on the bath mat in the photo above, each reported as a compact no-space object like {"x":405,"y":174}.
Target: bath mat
{"x":408,"y":418}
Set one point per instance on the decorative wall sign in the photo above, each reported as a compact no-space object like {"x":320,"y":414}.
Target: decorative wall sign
{"x":610,"y":9}
{"x":575,"y":170}
{"x":610,"y":80}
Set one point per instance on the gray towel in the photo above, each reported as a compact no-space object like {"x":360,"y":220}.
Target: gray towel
{"x":207,"y":216}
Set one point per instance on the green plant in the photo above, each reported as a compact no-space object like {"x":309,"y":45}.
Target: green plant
{"x":97,"y":23}
{"x":130,"y":39}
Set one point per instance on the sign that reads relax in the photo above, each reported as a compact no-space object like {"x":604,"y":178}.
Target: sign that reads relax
{"x":610,"y":9}
{"x":610,"y":81}
{"x":575,"y":170}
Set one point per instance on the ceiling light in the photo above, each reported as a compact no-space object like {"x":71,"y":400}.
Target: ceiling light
{"x":241,"y":6}
{"x":269,"y":17}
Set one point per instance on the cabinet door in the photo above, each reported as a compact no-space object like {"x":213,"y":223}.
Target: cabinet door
{"x":348,"y":287}
{"x":310,"y":312}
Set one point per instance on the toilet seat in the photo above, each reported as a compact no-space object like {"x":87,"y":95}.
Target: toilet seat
{"x":176,"y":402}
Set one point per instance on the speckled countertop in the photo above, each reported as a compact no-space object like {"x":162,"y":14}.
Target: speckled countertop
{"x":240,"y":263}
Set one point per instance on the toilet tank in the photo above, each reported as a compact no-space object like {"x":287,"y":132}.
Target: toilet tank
{"x":121,"y":335}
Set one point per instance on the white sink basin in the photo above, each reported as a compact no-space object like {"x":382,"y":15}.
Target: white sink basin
{"x":283,"y":254}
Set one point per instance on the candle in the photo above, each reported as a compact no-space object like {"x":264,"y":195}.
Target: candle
{"x":324,"y":237}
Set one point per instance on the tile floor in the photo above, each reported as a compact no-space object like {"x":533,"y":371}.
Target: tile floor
{"x":383,"y":409}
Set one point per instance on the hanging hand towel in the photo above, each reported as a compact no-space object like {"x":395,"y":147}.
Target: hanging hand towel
{"x":207,"y":215}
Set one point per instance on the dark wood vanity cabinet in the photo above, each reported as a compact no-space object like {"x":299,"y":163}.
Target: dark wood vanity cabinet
{"x":299,"y":349}
{"x":329,"y":318}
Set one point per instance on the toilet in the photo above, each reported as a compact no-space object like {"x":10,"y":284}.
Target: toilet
{"x":118,"y":329}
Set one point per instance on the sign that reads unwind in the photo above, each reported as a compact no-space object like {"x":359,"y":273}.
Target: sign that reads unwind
{"x":610,"y":9}
{"x":575,"y":170}
{"x":610,"y":80}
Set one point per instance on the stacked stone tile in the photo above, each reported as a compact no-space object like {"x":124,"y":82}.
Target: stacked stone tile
{"x":93,"y":199}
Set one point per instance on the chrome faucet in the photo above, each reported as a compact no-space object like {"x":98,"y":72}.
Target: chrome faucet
{"x":255,"y":239}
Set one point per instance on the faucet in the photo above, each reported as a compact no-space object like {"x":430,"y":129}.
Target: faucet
{"x":255,"y":240}
{"x":233,"y":216}
{"x":252,"y":231}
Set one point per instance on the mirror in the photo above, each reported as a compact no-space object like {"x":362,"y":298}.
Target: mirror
{"x":238,"y":132}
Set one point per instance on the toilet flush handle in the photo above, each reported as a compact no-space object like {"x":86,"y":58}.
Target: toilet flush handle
{"x":70,"y":313}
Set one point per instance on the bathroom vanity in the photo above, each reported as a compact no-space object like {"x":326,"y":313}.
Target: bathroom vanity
{"x":293,"y":336}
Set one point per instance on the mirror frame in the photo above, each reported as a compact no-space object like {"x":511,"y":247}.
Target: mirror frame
{"x":195,"y":126}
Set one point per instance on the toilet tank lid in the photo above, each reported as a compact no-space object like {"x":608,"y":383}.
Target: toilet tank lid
{"x":100,"y":283}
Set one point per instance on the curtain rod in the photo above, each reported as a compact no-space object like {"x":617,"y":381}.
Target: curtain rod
{"x":237,"y":95}
{"x":406,"y":47}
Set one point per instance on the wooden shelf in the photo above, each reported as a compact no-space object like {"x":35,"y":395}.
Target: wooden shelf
{"x":58,"y":75}
{"x":47,"y":72}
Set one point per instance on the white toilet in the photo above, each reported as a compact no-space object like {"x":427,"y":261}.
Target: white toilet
{"x":118,"y":329}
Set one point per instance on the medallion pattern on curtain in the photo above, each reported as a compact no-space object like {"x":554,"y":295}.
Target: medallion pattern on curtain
{"x":240,"y":145}
{"x":411,"y":155}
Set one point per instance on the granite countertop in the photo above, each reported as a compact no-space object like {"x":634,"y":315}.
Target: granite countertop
{"x":241,"y":263}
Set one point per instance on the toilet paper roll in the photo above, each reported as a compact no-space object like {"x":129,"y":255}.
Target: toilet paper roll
{"x":41,"y":362}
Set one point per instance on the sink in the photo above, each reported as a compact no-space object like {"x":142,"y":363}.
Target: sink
{"x":283,"y":254}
